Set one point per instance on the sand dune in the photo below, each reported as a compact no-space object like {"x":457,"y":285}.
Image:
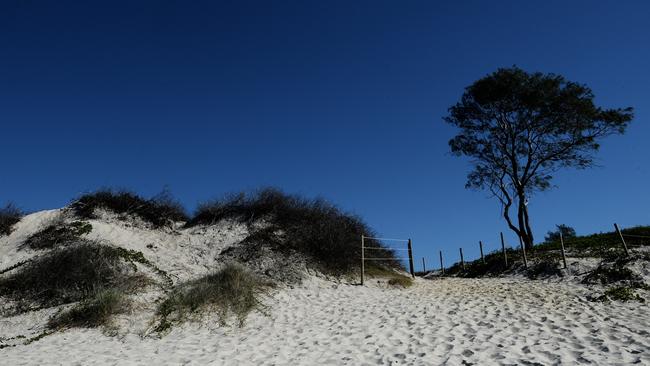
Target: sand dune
{"x":446,"y":321}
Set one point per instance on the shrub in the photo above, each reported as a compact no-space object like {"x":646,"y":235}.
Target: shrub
{"x":620,"y":293}
{"x":69,"y":274}
{"x":312,"y":227}
{"x":608,"y":273}
{"x":231,"y":290}
{"x":54,"y":235}
{"x":161,"y":210}
{"x":401,"y":281}
{"x":9,"y":216}
{"x":544,"y":269}
{"x":94,"y":312}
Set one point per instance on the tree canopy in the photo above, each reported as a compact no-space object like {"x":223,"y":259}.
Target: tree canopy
{"x":519,"y":128}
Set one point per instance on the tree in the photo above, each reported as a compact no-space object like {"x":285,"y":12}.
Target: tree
{"x":566,"y":231}
{"x":519,"y":128}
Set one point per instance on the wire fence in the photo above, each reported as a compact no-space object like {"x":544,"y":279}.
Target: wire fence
{"x":405,"y":246}
{"x":608,"y":244}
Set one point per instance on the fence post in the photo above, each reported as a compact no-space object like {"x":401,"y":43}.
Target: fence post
{"x":462,"y":260}
{"x":480,"y":245}
{"x":411,"y":259}
{"x":622,"y":240}
{"x":503,"y":247}
{"x":523,"y":252}
{"x":424,"y":267}
{"x":562,"y":247}
{"x":442,"y":267}
{"x":362,"y":258}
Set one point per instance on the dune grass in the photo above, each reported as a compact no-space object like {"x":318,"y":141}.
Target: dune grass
{"x":313,"y":227}
{"x":9,"y":216}
{"x":230,"y":291}
{"x":96,"y":311}
{"x":57,"y":234}
{"x":72,"y":273}
{"x":394,"y":277}
{"x":159,"y":211}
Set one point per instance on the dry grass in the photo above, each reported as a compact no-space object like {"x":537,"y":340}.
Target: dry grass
{"x":230,"y":291}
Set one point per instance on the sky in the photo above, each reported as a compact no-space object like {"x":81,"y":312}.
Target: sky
{"x":343,"y":100}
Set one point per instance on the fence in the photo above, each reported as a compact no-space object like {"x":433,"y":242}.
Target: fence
{"x":404,"y":242}
{"x":608,"y":240}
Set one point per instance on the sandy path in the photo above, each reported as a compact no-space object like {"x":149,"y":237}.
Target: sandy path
{"x":450,"y":321}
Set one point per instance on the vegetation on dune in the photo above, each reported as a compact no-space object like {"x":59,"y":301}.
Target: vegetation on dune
{"x":600,"y":244}
{"x":95,"y":311}
{"x":72,"y":273}
{"x":161,"y":210}
{"x":623,"y":293}
{"x":230,"y":291}
{"x":9,"y":216}
{"x":545,"y":259}
{"x":315,"y":227}
{"x":395,"y":278}
{"x":561,"y":230}
{"x":57,"y":234}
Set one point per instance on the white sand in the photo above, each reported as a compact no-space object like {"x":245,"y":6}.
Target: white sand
{"x":439,"y":321}
{"x":482,"y":322}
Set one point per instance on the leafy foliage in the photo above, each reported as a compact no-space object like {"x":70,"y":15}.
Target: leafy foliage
{"x":9,"y":216}
{"x":567,"y":232}
{"x":161,"y":210}
{"x":520,"y":128}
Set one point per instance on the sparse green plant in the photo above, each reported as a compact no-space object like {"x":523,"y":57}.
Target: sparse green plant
{"x":608,"y":273}
{"x":9,"y":216}
{"x":402,"y":281}
{"x":57,"y":234}
{"x":620,"y":293}
{"x":93,"y":312}
{"x":161,"y":210}
{"x":232,"y":290}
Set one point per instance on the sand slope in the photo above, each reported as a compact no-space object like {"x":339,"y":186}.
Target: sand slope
{"x":448,"y":321}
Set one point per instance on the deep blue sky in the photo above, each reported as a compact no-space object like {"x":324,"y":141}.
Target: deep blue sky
{"x":338,"y":99}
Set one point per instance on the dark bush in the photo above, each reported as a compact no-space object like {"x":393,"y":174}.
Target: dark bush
{"x":57,"y":234}
{"x":608,"y":273}
{"x":9,"y":216}
{"x":544,"y":269}
{"x":312,"y":227}
{"x":72,"y":273}
{"x":161,"y":210}
{"x":231,"y":290}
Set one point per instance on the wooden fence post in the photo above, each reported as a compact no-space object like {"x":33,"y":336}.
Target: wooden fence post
{"x":442,"y":267}
{"x":562,"y":247}
{"x":503,"y":247}
{"x":424,"y":267}
{"x":622,"y":239}
{"x":523,"y":252}
{"x":362,"y":258}
{"x":480,"y":245}
{"x":462,"y":260}
{"x":411,"y":259}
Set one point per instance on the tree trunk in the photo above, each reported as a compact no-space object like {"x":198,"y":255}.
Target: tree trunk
{"x":525,"y":233}
{"x":531,"y":241}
